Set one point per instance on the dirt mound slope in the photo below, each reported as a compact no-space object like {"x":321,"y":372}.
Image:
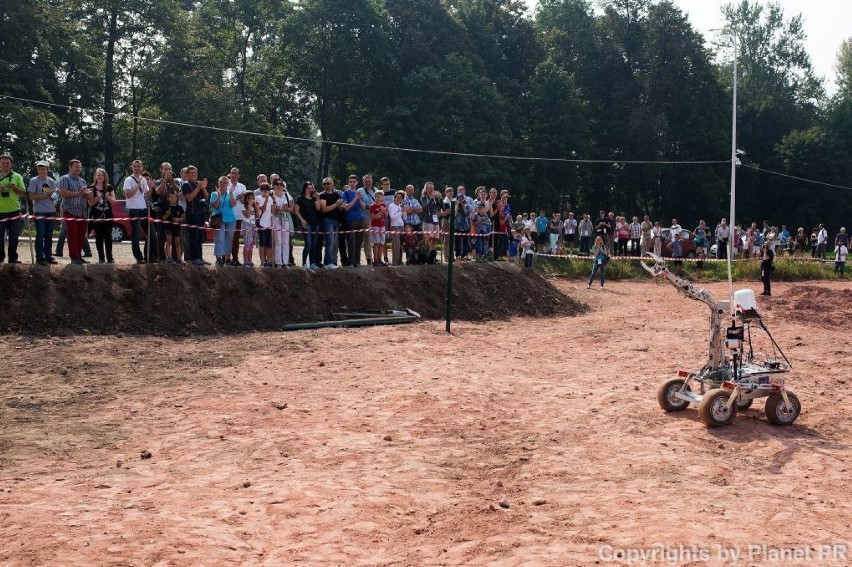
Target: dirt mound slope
{"x":160,"y":299}
{"x":815,"y":305}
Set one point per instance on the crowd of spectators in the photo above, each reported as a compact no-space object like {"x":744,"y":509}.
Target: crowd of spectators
{"x":340,"y":226}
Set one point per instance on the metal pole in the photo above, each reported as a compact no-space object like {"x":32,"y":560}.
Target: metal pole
{"x":731,"y":223}
{"x":450,"y":255}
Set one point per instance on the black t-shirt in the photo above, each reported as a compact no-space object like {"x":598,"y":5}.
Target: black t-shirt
{"x":330,"y":199}
{"x":176,"y":212}
{"x":103,"y":208}
{"x":604,"y":227}
{"x":197,"y":207}
{"x":308,"y":210}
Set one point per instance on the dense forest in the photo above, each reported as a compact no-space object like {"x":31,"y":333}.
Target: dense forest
{"x":314,"y":87}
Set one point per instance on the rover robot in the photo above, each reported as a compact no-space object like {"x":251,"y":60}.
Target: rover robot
{"x":733,"y":377}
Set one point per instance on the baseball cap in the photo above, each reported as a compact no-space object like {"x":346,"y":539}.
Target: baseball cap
{"x":42,"y":163}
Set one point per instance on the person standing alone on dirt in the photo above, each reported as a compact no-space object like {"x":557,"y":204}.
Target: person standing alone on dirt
{"x":601,"y":257}
{"x":766,"y":269}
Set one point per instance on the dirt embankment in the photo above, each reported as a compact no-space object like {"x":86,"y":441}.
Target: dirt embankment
{"x":184,"y":300}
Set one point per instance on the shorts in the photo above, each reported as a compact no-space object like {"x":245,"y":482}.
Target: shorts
{"x":377,"y":235}
{"x":172,"y":229}
{"x":569,"y":237}
{"x":429,"y":227}
{"x":541,"y":238}
{"x":264,"y":237}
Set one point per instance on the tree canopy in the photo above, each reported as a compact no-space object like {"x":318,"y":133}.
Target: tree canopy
{"x":311,"y":88}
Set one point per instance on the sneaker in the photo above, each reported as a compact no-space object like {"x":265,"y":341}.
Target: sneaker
{"x":331,"y":266}
{"x":89,"y":255}
{"x":170,"y":261}
{"x":306,"y":266}
{"x":41,"y":262}
{"x":141,"y":261}
{"x":236,"y":263}
{"x":52,"y":261}
{"x":199,"y":262}
{"x":248,"y":265}
{"x":315,"y":267}
{"x":110,"y":261}
{"x":77,"y":261}
{"x":85,"y":261}
{"x":220,"y":264}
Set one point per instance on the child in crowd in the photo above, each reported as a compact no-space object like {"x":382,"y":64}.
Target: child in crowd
{"x":264,"y":224}
{"x":173,"y":218}
{"x":514,"y":245}
{"x":378,"y":211}
{"x":527,"y":248}
{"x":840,"y":253}
{"x":409,"y":242}
{"x":699,"y":261}
{"x":249,"y":229}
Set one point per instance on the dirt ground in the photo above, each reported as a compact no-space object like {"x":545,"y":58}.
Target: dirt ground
{"x":534,"y":441}
{"x":169,"y":300}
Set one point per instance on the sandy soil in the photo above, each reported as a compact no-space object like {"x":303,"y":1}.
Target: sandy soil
{"x":396,"y":446}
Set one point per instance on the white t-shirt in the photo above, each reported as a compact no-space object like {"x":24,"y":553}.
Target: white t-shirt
{"x":239,"y":191}
{"x":265,"y":220}
{"x":570,"y":226}
{"x":397,"y":214}
{"x":137,"y":201}
{"x":675,"y":230}
{"x":822,"y":236}
{"x":840,"y":253}
{"x":282,"y":202}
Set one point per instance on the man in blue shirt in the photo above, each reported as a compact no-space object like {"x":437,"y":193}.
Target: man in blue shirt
{"x":541,"y":223}
{"x":353,"y":218}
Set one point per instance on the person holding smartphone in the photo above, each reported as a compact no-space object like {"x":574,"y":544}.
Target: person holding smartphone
{"x":11,"y":190}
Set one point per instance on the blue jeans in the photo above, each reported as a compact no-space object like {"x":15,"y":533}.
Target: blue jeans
{"x":44,"y":236}
{"x":224,"y":239}
{"x":311,"y":249}
{"x":481,"y":243}
{"x":330,"y":228}
{"x":12,"y":229}
{"x":137,"y":217}
{"x":598,"y":268}
{"x":195,"y":224}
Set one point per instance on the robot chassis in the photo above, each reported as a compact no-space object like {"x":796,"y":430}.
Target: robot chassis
{"x":732,"y":379}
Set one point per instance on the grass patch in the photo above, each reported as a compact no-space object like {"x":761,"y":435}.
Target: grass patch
{"x":786,"y":269}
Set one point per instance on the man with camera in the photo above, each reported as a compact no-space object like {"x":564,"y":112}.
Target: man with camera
{"x":11,"y":190}
{"x":40,"y":191}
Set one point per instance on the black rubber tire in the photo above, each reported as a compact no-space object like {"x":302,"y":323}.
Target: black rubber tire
{"x":711,"y":409}
{"x":664,"y":395}
{"x":776,"y":408}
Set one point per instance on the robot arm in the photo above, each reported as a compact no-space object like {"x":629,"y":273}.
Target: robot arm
{"x":682,"y":285}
